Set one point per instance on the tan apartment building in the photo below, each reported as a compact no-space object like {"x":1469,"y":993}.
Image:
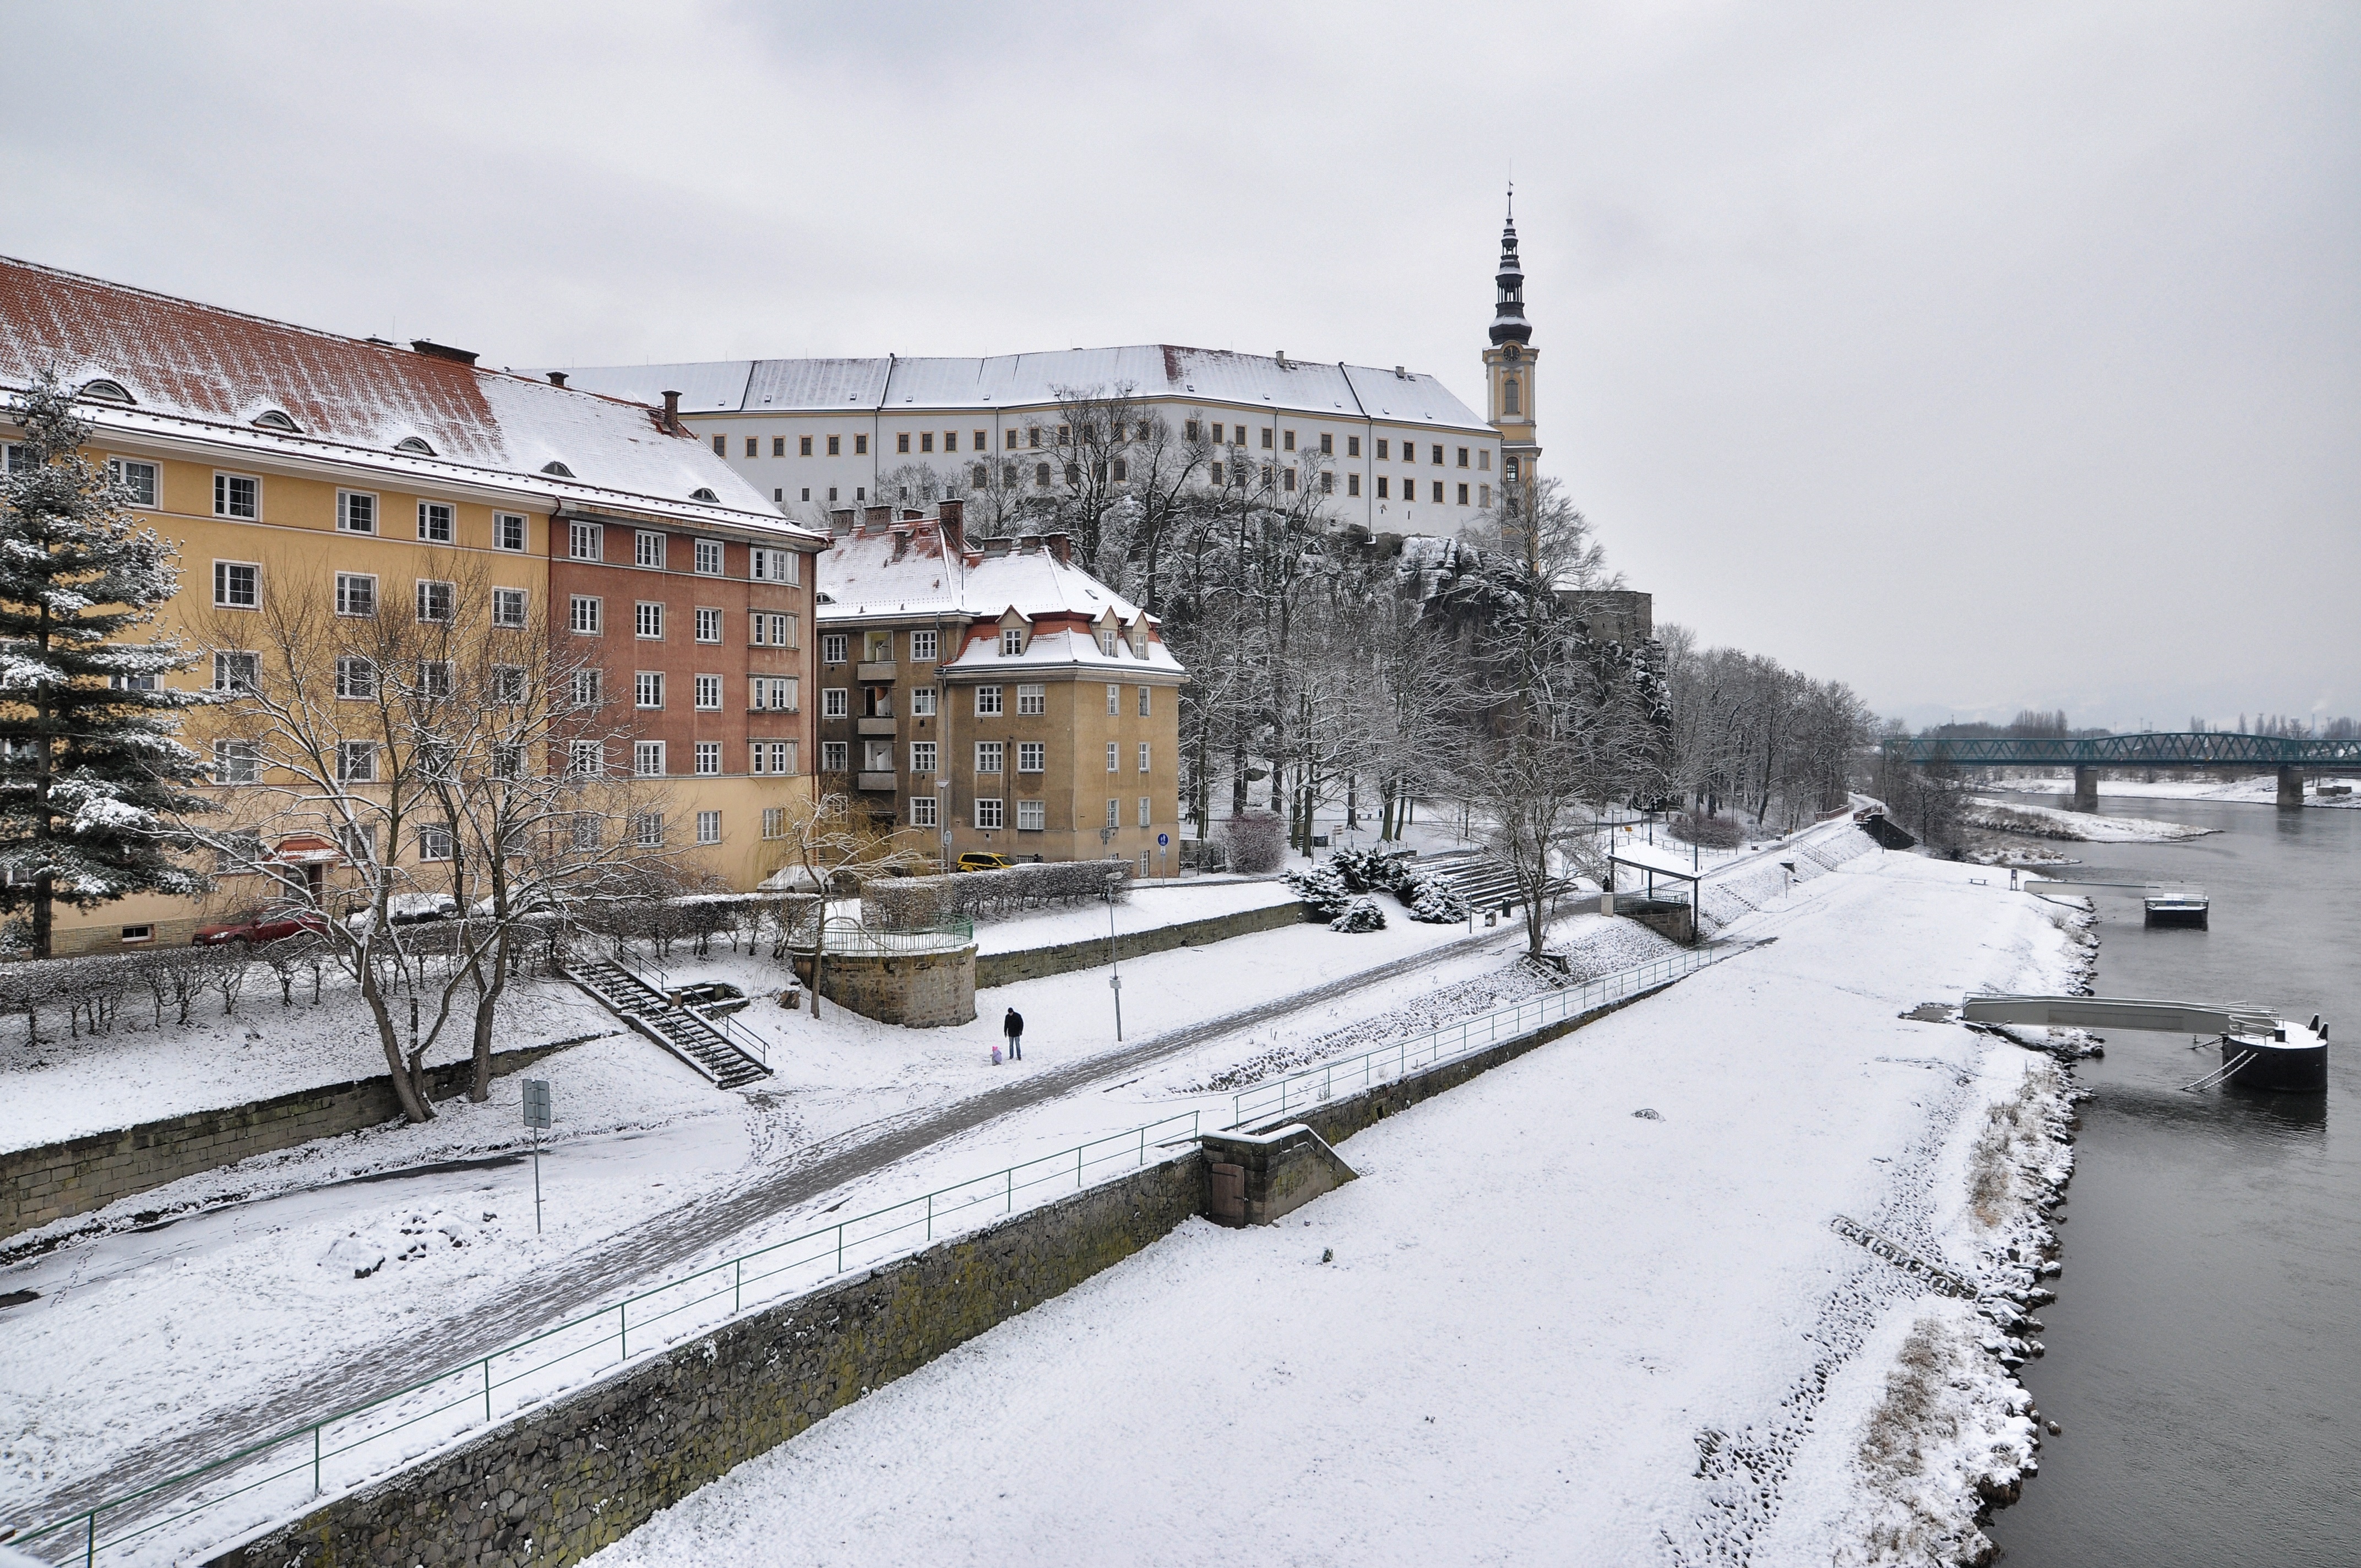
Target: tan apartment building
{"x":369,"y":479}
{"x":995,"y":694}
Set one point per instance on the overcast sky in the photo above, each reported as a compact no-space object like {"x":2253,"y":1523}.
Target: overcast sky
{"x":1985,"y":358}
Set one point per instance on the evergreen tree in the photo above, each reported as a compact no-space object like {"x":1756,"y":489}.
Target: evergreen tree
{"x":91,"y":775}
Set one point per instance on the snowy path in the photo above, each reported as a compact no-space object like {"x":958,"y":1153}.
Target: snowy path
{"x":748,"y":1180}
{"x":1554,"y":1329}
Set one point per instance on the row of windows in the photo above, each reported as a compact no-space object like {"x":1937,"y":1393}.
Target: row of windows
{"x":835,"y":702}
{"x":992,"y":755}
{"x":1236,"y":435}
{"x":586,"y":615}
{"x":1032,"y":816}
{"x":238,"y":584}
{"x":764,"y":694}
{"x":588,"y":541}
{"x":236,"y":761}
{"x":1041,"y":437}
{"x":878,"y":647}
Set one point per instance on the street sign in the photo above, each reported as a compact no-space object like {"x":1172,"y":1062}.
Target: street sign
{"x":1162,"y":839}
{"x":536,"y":1102}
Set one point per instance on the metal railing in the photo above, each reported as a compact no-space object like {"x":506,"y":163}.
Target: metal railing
{"x":1280,"y":1096}
{"x":851,"y":939}
{"x":280,"y":1477}
{"x":655,"y":977}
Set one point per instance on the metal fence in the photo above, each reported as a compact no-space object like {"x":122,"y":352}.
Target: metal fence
{"x":1279,"y":1097}
{"x":283,"y":1475}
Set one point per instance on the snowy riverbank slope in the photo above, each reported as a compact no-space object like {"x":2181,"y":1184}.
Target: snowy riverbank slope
{"x":2048,"y":822}
{"x":1589,"y":1308}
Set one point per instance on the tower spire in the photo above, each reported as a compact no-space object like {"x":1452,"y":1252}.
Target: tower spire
{"x":1508,"y":324}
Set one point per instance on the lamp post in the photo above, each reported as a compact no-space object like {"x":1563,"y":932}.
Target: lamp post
{"x":1115,"y":977}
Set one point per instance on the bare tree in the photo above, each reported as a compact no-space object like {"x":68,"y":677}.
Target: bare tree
{"x":824,"y":845}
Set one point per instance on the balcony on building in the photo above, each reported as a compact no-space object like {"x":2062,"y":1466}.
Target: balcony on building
{"x":880,"y":725}
{"x":880,"y":782}
{"x":878,"y":670}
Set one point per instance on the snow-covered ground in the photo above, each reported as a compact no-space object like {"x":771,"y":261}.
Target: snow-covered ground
{"x":2081,"y":826}
{"x":1152,"y":904}
{"x":2262,"y":790}
{"x":1586,"y":1308}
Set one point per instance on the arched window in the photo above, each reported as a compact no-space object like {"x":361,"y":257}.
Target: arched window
{"x":414,"y":446}
{"x":1509,"y":402}
{"x":702,"y":494}
{"x":275,"y":419}
{"x":1041,"y":475}
{"x":557,"y":468}
{"x":106,"y":391}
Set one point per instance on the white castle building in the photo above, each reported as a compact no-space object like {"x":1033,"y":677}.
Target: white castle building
{"x":1394,"y":449}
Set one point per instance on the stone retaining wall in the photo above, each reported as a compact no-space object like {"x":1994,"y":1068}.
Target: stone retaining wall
{"x":1037,"y":963}
{"x":587,"y":1470}
{"x":58,"y":1180}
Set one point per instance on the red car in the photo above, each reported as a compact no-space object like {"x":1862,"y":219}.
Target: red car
{"x":270,"y":929}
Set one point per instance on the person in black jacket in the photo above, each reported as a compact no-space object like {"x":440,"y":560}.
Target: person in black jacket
{"x":1013,"y":1027}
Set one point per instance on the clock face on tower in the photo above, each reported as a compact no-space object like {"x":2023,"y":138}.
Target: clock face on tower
{"x":1513,"y":353}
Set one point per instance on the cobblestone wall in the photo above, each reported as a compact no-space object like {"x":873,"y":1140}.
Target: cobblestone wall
{"x":56,"y":1181}
{"x":587,"y":1471}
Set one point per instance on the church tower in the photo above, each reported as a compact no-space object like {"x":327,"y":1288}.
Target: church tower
{"x":1508,"y":363}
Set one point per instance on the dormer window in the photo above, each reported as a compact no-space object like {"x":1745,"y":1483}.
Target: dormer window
{"x":702,"y":494}
{"x":557,"y":469}
{"x":276,"y":419}
{"x":414,"y":446}
{"x":1106,"y":640}
{"x":1012,"y":641}
{"x":106,"y":391}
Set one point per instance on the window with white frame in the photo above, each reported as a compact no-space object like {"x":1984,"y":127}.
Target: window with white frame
{"x":506,"y":759}
{"x":140,"y":682}
{"x":778,"y":757}
{"x":1143,"y":757}
{"x":508,"y":530}
{"x":1114,"y":701}
{"x":1143,"y":700}
{"x":835,"y":702}
{"x":922,"y":756}
{"x":647,"y":620}
{"x":1012,"y":643}
{"x":709,"y":557}
{"x":356,"y":511}
{"x":1115,"y":757}
{"x":138,"y":480}
{"x":709,"y":693}
{"x":238,"y":584}
{"x":709,"y":624}
{"x":586,"y":758}
{"x":1107,"y":641}
{"x":435,"y":600}
{"x":1032,"y":756}
{"x":1142,"y":810}
{"x":238,"y":495}
{"x":647,"y":830}
{"x":1032,"y":700}
{"x":1115,"y":814}
{"x":589,"y":688}
{"x":774,"y":821}
{"x":708,"y":757}
{"x":647,"y":548}
{"x":434,"y":521}
{"x":922,"y":647}
{"x":508,"y":684}
{"x":1032,"y":816}
{"x":238,"y":672}
{"x":832,"y":648}
{"x":582,"y":614}
{"x":776,"y":694}
{"x":435,"y":679}
{"x":770,"y":630}
{"x":236,"y":762}
{"x":987,"y":813}
{"x":987,"y":702}
{"x":775,"y":567}
{"x":356,"y":677}
{"x":648,"y":759}
{"x":922,"y":811}
{"x":590,"y":830}
{"x":988,"y":756}
{"x":835,"y":756}
{"x":582,"y":540}
{"x":355,"y":594}
{"x":922,"y":702}
{"x":507,"y":607}
{"x":434,"y":842}
{"x":356,"y":762}
{"x":647,"y":688}
{"x":709,"y":828}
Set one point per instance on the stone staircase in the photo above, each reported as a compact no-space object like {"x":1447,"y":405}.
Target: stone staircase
{"x":694,"y":1039}
{"x":1474,"y":875}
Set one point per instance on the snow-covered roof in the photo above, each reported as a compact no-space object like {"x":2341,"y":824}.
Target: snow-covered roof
{"x":904,"y":571}
{"x":1151,"y":370}
{"x":196,"y":371}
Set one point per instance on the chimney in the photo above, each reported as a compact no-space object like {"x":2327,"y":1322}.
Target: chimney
{"x":840,"y":520}
{"x":911,"y":514}
{"x":557,"y":377}
{"x":952,"y":516}
{"x":1027,"y":543}
{"x":1061,"y":545}
{"x":875,"y":516}
{"x":441,"y":351}
{"x":672,"y":413}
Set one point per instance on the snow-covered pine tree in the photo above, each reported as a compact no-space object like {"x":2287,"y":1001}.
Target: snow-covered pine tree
{"x":91,"y":775}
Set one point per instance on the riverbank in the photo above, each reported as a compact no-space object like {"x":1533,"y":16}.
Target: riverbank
{"x":1677,"y":1285}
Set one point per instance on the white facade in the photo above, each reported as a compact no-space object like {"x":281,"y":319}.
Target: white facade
{"x":1400,"y":453}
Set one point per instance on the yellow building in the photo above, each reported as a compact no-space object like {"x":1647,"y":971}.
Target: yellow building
{"x":358,"y":478}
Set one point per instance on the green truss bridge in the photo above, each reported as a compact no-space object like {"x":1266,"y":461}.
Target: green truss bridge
{"x":2292,"y":757}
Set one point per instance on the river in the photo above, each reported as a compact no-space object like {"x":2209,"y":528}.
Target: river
{"x":2205,"y":1351}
